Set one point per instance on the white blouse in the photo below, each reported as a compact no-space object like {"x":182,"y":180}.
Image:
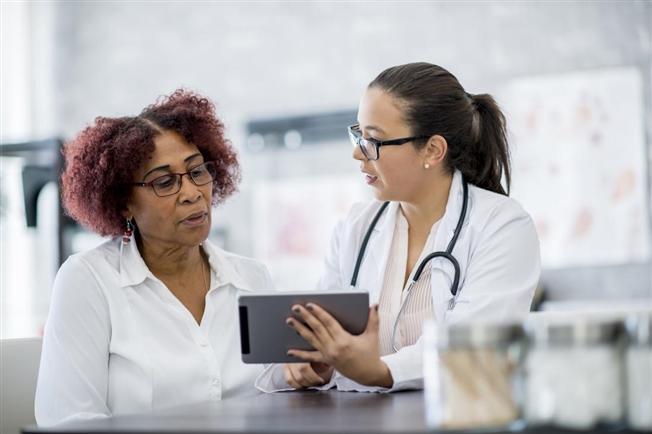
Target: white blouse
{"x":418,"y":305}
{"x":118,"y":341}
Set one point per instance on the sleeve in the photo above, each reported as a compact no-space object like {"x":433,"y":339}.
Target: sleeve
{"x":332,"y":278}
{"x":503,"y":273}
{"x":73,"y":374}
{"x":405,"y":365}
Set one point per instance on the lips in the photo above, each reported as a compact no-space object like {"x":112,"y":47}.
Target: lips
{"x":196,"y":218}
{"x":370,"y":179}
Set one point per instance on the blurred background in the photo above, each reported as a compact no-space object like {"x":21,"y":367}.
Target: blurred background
{"x":574,"y":78}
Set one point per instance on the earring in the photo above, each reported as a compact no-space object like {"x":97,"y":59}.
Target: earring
{"x":426,"y":166}
{"x":129,"y":230}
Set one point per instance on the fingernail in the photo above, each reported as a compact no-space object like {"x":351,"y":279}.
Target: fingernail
{"x":296,"y":309}
{"x":376,"y":308}
{"x":289,"y":322}
{"x":310,"y":307}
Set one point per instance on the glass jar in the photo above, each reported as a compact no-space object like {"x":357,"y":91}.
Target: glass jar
{"x":638,"y":368}
{"x":471,"y":375}
{"x":573,"y":372}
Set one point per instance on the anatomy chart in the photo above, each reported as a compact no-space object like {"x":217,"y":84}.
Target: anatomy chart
{"x":579,"y":164}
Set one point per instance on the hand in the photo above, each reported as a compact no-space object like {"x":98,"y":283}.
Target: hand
{"x":356,"y":357}
{"x":302,"y":375}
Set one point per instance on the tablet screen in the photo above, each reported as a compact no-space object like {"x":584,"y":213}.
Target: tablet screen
{"x":264,"y":335}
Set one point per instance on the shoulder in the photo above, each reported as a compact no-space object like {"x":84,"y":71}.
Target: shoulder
{"x":95,"y":261}
{"x":361,"y":213}
{"x":248,"y":269}
{"x":495,"y":209}
{"x":501,"y":222}
{"x":82,"y":279}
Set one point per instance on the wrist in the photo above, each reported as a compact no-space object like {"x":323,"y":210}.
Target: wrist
{"x":382,"y":376}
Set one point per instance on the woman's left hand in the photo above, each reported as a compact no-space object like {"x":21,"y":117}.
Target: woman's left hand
{"x":356,"y":357}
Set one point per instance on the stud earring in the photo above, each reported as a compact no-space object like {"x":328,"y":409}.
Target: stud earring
{"x":129,"y":230}
{"x":426,"y":166}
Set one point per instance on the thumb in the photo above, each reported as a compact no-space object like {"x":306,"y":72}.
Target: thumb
{"x":372,"y":322}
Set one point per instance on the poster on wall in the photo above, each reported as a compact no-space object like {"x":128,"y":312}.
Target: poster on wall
{"x":579,"y":164}
{"x":294,"y":219}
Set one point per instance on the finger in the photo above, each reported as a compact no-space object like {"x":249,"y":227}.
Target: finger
{"x":289,"y":377}
{"x":308,"y":356}
{"x":373,"y":320}
{"x":332,"y":325}
{"x":320,"y":367}
{"x":308,"y":373}
{"x":299,"y":374}
{"x":305,"y":333}
{"x":318,"y":328}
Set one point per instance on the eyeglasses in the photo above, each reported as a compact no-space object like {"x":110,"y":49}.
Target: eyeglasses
{"x":371,"y":147}
{"x":167,"y":185}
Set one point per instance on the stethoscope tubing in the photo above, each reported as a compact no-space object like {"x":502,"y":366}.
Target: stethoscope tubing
{"x":448,"y":255}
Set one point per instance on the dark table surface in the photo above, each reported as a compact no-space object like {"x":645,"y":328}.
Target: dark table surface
{"x":294,"y":412}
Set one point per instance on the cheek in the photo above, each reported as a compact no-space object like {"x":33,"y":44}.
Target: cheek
{"x":394,"y":171}
{"x":207,"y":193}
{"x":401,"y":176}
{"x":153,"y":213}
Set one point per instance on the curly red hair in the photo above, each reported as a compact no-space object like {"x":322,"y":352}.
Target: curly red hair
{"x":102,"y":159}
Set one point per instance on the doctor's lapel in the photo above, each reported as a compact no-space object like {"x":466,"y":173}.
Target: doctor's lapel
{"x":372,"y":270}
{"x":442,"y":271}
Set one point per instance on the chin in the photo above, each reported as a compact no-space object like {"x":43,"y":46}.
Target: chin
{"x":196,"y":236}
{"x":383,"y":196}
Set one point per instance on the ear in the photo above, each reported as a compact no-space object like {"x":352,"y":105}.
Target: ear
{"x":435,"y":151}
{"x":127,"y":213}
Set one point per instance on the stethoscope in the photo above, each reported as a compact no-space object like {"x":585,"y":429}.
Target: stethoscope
{"x":448,"y":254}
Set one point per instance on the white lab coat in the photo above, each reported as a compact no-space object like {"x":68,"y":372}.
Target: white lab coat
{"x":498,"y":254}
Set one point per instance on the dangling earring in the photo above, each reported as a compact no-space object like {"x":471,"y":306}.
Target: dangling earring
{"x":426,"y":166}
{"x":129,"y":230}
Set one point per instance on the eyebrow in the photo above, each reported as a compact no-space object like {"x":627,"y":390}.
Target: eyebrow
{"x":374,"y":128}
{"x":167,"y":166}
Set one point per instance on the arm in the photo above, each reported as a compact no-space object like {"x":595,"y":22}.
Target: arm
{"x":503,"y":272}
{"x":73,"y":374}
{"x":499,"y":284}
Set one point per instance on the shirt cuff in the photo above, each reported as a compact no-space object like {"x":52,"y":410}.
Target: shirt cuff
{"x":272,"y":380}
{"x":406,"y":374}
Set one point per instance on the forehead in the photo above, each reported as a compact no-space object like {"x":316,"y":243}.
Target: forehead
{"x":380,"y":109}
{"x":170,"y":148}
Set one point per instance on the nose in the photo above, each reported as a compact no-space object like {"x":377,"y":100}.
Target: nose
{"x":357,"y":154}
{"x":189,"y":192}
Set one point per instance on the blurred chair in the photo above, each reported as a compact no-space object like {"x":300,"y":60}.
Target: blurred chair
{"x":19,"y":363}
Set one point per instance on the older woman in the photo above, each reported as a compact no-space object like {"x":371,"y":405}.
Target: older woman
{"x":147,"y":320}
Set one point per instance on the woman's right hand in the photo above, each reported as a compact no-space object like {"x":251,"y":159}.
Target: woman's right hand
{"x":303,"y":375}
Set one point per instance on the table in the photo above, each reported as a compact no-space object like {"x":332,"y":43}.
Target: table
{"x":294,"y":412}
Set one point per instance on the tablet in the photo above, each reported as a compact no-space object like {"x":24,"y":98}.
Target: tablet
{"x":266,"y":338}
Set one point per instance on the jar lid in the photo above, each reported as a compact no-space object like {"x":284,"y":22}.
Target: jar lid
{"x":639,"y":328}
{"x":479,"y":334}
{"x":577,"y":330}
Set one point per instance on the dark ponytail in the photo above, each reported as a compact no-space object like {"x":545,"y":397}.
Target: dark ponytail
{"x":473,"y":125}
